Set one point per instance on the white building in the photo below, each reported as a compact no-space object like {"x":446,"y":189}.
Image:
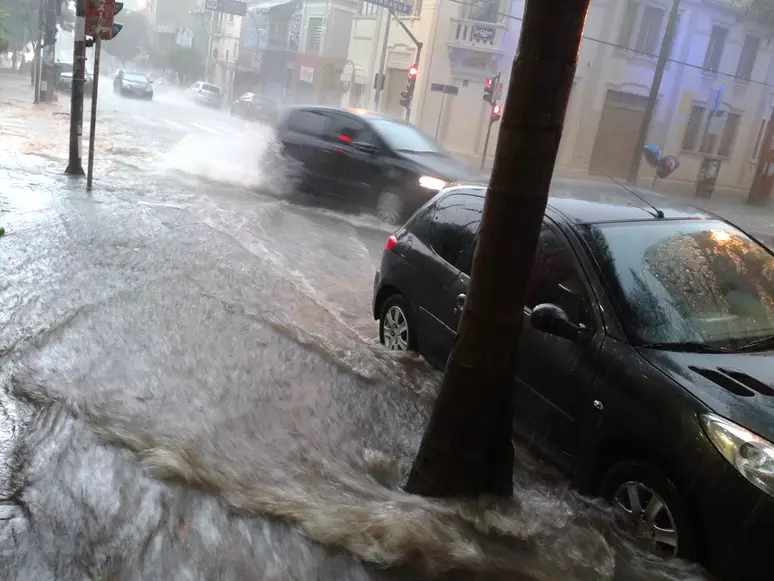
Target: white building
{"x":714,"y":52}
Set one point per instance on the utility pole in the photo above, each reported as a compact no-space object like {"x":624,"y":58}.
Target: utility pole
{"x":75,"y":165}
{"x":38,"y":51}
{"x":49,"y":78}
{"x":466,"y":450}
{"x":655,"y":87}
{"x":756,"y":194}
{"x":379,"y":81}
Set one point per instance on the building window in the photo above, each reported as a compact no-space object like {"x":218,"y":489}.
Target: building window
{"x":692,"y":130}
{"x":643,"y":27}
{"x":728,"y":136}
{"x":368,"y":9}
{"x":717,"y":43}
{"x":717,"y":133}
{"x":314,"y":35}
{"x":417,"y":7}
{"x":747,"y":60}
{"x":230,"y":18}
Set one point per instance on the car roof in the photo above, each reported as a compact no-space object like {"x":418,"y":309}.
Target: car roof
{"x":364,"y":113}
{"x":590,"y":201}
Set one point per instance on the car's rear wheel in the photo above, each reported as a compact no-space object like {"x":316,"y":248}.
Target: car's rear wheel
{"x":650,"y":510}
{"x":396,"y":328}
{"x":391,"y":208}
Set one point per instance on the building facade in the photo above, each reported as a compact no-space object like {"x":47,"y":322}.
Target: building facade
{"x":713,"y":103}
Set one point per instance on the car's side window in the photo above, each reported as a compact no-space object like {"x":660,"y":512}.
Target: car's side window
{"x":345,"y":129}
{"x":556,"y":279}
{"x":312,"y":123}
{"x":455,"y":224}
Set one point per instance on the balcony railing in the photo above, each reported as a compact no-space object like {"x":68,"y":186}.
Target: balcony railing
{"x":476,"y":35}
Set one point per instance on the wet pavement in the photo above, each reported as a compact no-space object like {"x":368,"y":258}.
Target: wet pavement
{"x":192,"y":388}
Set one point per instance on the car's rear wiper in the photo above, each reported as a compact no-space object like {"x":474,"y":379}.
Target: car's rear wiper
{"x":762,"y":343}
{"x":687,"y":346}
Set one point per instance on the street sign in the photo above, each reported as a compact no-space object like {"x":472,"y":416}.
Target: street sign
{"x":482,"y":33}
{"x":234,"y":7}
{"x":447,"y":89}
{"x":394,"y":5}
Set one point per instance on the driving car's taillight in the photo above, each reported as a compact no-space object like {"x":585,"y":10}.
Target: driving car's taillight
{"x":391,"y":242}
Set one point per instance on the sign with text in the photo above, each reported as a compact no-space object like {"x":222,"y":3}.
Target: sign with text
{"x":394,"y":5}
{"x":483,"y":33}
{"x":447,"y":89}
{"x":234,"y":7}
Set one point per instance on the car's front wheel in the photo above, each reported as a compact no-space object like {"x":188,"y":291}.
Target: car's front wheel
{"x":649,"y":508}
{"x":396,"y":328}
{"x":390,"y":208}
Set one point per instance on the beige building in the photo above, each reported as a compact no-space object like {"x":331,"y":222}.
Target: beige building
{"x":716,"y":58}
{"x":226,"y":30}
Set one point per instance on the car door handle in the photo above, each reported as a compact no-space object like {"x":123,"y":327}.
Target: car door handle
{"x":460,"y":303}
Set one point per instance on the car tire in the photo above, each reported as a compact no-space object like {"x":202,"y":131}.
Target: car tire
{"x":390,"y":208}
{"x":396,"y":313}
{"x":651,"y":485}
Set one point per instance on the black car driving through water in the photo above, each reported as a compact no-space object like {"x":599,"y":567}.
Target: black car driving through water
{"x":128,"y":84}
{"x":374,"y":160}
{"x":645,"y":364}
{"x":255,"y":108}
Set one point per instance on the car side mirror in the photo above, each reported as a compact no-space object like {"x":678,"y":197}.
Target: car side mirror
{"x":366,"y":147}
{"x":553,"y":320}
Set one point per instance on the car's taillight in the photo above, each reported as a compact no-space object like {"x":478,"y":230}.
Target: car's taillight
{"x":391,"y":242}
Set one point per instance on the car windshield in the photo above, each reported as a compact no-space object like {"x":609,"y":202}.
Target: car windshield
{"x":686,"y":281}
{"x":404,"y":137}
{"x":210,"y":89}
{"x":135,"y":77}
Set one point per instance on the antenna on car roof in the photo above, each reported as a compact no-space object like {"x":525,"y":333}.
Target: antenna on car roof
{"x":657,"y":212}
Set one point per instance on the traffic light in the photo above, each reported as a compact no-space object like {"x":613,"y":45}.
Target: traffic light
{"x":490,"y":88}
{"x":497,"y":111}
{"x":407,"y":95}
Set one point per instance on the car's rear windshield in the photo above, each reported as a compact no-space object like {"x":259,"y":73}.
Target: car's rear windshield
{"x":210,"y":88}
{"x":686,"y":281}
{"x":137,"y":77}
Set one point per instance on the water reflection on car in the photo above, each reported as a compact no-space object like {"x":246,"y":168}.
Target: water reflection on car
{"x":645,"y":361}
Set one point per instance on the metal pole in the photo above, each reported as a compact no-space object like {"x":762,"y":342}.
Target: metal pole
{"x":486,"y":141}
{"x":416,"y":62}
{"x":93,"y":126}
{"x":663,"y":55}
{"x":440,"y":115}
{"x":75,"y":166}
{"x":37,"y":68}
{"x":380,"y":85}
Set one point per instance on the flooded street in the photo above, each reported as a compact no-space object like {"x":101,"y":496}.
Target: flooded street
{"x":192,"y":385}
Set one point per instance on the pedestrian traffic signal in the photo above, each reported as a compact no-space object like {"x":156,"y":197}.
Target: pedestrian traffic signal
{"x":107,"y":28}
{"x":407,"y":95}
{"x":489,"y":90}
{"x":497,"y":111}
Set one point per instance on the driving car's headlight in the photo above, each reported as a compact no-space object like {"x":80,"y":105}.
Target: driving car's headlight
{"x":431,"y":183}
{"x":751,"y":455}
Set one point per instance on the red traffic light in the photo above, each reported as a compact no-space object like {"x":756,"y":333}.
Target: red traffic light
{"x":413,"y":72}
{"x":497,"y":110}
{"x":489,"y":82}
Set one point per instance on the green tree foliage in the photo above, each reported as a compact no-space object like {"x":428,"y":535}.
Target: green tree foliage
{"x":5,"y":41}
{"x":186,"y":62}
{"x":21,"y":21}
{"x":133,"y":38}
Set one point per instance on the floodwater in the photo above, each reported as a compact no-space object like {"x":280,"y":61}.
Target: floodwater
{"x":192,"y":388}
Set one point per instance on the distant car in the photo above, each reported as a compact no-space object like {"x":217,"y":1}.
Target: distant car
{"x":129,"y":84}
{"x":206,"y":94}
{"x":256,"y":108}
{"x":645,"y":364}
{"x":375,"y":160}
{"x":64,"y":82}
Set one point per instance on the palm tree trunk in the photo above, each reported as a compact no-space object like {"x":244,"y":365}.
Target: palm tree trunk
{"x":466,"y":450}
